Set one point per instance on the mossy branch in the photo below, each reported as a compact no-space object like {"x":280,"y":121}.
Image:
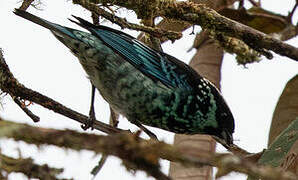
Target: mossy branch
{"x":27,"y":167}
{"x":140,"y":154}
{"x":46,"y":136}
{"x":244,"y":54}
{"x":207,"y":18}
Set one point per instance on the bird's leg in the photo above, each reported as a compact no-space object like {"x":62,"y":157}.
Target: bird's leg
{"x":91,"y":112}
{"x":113,"y":122}
{"x":114,"y":118}
{"x":147,"y":131}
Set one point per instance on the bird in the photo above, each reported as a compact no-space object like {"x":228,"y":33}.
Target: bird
{"x":147,"y":86}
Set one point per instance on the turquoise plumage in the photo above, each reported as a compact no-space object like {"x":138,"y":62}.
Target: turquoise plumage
{"x":145,"y":85}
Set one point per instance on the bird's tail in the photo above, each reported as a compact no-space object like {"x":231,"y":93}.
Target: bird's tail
{"x":55,"y":28}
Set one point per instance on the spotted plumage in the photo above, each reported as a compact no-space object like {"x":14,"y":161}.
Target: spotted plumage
{"x":146,"y":86}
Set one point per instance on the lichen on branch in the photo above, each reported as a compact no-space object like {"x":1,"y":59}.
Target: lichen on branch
{"x":28,"y":167}
{"x":207,"y":18}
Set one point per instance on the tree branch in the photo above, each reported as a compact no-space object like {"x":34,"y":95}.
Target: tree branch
{"x":27,"y":167}
{"x":137,"y":153}
{"x":41,"y":136}
{"x":132,"y":158}
{"x":11,"y":86}
{"x":207,"y":18}
{"x":140,"y":154}
{"x":244,"y":54}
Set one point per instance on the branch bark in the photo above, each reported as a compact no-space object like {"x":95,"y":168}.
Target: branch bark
{"x":46,"y":136}
{"x":27,"y":167}
{"x":207,"y":18}
{"x":140,"y":154}
{"x":137,"y":153}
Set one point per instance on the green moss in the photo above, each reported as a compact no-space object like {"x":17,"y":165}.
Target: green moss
{"x":8,"y":128}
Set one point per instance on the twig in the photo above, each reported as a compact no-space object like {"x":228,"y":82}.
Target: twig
{"x":95,"y":18}
{"x":99,"y":165}
{"x":25,"y":109}
{"x":153,"y":41}
{"x":254,"y":3}
{"x":123,"y":23}
{"x":289,"y":18}
{"x":241,"y":4}
{"x":26,"y":4}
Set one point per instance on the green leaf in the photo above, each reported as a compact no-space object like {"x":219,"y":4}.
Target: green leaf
{"x":286,"y":109}
{"x":280,"y":147}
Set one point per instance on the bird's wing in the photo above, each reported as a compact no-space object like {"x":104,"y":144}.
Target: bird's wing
{"x":152,"y":63}
{"x":156,"y":65}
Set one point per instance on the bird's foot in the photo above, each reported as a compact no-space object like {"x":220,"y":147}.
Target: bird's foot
{"x":90,"y":122}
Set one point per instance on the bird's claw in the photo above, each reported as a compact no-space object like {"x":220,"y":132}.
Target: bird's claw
{"x":88,"y":125}
{"x":90,"y":122}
